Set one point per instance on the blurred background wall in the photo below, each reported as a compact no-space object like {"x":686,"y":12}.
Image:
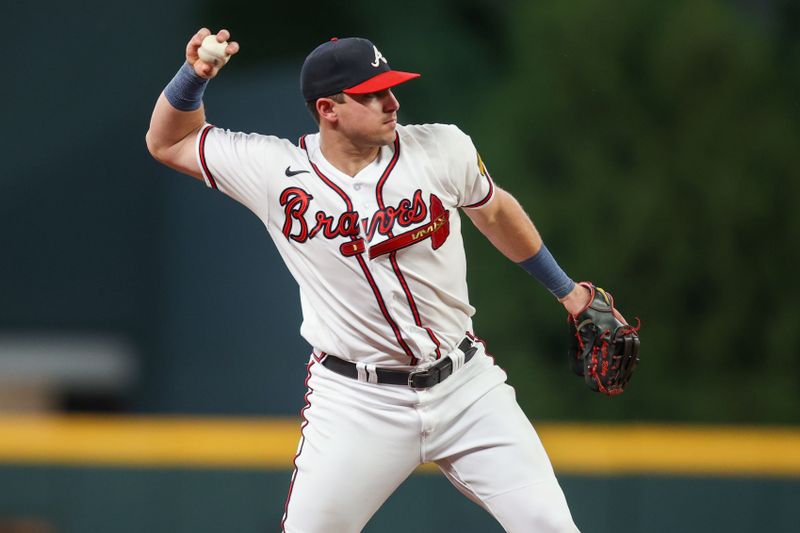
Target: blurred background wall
{"x":653,"y":143}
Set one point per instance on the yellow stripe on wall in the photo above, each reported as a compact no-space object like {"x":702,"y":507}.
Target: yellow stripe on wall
{"x":668,"y":449}
{"x":271,"y":443}
{"x":149,"y":441}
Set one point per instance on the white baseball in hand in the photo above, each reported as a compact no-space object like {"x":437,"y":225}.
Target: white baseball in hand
{"x":213,"y":51}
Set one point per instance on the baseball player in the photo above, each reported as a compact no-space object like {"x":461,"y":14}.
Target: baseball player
{"x":365,"y":214}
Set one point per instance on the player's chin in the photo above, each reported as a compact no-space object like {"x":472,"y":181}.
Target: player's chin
{"x":388,"y":131}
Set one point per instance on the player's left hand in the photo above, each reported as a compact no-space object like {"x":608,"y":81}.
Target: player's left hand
{"x":604,"y":348}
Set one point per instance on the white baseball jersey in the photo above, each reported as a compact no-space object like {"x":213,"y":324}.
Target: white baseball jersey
{"x":379,"y":256}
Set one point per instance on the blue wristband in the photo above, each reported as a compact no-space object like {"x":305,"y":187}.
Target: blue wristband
{"x":185,"y":91}
{"x":544,"y":268}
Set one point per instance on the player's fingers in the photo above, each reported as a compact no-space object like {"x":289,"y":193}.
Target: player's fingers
{"x":197,"y":38}
{"x":232,"y":48}
{"x":223,"y":35}
{"x":194,"y":43}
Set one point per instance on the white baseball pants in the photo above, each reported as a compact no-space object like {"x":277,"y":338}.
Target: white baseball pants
{"x":360,"y":441}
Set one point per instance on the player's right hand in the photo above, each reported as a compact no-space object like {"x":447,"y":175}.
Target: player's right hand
{"x":203,"y":69}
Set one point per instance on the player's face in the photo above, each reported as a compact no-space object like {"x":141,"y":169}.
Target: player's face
{"x":369,"y":119}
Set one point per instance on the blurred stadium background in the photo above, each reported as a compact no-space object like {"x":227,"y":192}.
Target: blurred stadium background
{"x":151,"y":369}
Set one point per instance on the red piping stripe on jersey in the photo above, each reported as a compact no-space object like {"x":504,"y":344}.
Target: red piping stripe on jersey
{"x":303,"y":425}
{"x":488,"y":195}
{"x":378,"y":297}
{"x":393,"y":256}
{"x":202,"y":150}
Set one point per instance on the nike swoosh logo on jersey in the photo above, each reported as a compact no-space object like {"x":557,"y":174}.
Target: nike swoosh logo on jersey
{"x":289,"y":172}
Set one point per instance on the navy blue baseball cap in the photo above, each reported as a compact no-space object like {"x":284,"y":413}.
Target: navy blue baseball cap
{"x":351,"y":65}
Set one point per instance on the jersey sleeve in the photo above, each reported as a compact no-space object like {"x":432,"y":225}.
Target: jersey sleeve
{"x":238,"y":164}
{"x":466,"y":170}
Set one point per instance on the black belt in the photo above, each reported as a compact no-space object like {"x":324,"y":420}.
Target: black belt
{"x":421,"y":379}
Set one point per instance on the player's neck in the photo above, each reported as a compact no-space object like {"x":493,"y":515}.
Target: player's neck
{"x":346,"y":155}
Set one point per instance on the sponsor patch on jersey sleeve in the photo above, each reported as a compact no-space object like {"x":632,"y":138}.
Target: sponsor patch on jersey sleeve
{"x":482,"y":167}
{"x":483,"y":187}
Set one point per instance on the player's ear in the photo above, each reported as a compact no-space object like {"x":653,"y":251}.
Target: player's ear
{"x":326,"y":108}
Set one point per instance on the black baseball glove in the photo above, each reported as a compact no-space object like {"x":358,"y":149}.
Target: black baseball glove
{"x":604,"y":349}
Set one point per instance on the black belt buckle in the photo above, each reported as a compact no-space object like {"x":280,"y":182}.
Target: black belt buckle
{"x":418,"y":380}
